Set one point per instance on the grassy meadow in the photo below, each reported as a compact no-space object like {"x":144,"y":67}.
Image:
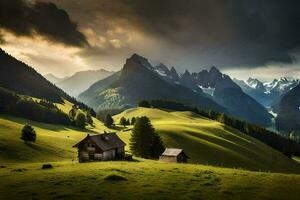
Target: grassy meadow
{"x":224,"y":162}
{"x":142,"y":180}
{"x":210,"y":142}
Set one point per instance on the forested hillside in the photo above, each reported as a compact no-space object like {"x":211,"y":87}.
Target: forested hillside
{"x":22,"y":79}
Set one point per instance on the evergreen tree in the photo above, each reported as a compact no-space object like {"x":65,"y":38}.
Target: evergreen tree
{"x":123,"y":121}
{"x":80,"y":120}
{"x":157,"y":146}
{"x":89,"y":119}
{"x":144,"y":142}
{"x":133,"y":121}
{"x":109,"y":121}
{"x":28,"y":134}
{"x":73,"y":112}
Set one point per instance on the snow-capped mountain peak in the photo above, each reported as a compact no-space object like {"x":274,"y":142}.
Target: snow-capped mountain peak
{"x":255,"y":83}
{"x":268,"y":93}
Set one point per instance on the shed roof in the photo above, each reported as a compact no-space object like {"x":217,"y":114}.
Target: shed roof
{"x":172,"y":152}
{"x":105,"y":141}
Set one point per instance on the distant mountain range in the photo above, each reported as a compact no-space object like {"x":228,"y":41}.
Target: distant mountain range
{"x":54,"y":79}
{"x":221,"y":89}
{"x":18,"y":77}
{"x":268,"y":94}
{"x":139,"y":80}
{"x":80,"y":81}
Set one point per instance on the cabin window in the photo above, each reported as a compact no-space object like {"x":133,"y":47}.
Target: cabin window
{"x":90,"y":145}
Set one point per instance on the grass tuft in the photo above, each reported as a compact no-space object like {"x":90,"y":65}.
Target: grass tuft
{"x":47,"y":166}
{"x":115,"y":177}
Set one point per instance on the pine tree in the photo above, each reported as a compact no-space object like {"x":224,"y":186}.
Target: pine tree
{"x":73,"y":112}
{"x":123,"y":121}
{"x":80,"y":120}
{"x":133,"y":121}
{"x":89,"y":119}
{"x":109,"y":121}
{"x":144,"y":142}
{"x":28,"y":134}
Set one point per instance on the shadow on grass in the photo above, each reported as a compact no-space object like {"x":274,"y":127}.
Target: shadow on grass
{"x":51,"y":127}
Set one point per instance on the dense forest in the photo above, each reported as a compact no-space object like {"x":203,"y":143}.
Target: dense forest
{"x":278,"y":142}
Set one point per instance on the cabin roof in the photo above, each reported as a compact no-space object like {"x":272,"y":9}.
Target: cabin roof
{"x":105,"y":141}
{"x":172,"y":152}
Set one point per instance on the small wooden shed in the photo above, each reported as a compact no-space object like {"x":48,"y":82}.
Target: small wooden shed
{"x":106,"y":146}
{"x":174,"y":155}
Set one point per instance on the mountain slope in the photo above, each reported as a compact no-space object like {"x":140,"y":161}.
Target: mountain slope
{"x":210,"y":142}
{"x":137,"y":81}
{"x":230,"y":95}
{"x":80,"y":81}
{"x":53,"y":79}
{"x":20,"y":78}
{"x":224,"y":91}
{"x":288,"y":118}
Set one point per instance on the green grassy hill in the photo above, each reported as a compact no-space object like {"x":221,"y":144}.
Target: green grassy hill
{"x":54,"y":142}
{"x":204,"y":140}
{"x":210,"y":142}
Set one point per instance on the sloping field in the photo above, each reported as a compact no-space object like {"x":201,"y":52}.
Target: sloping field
{"x":210,"y":142}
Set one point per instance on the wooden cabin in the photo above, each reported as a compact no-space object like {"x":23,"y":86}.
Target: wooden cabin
{"x":106,"y":146}
{"x":174,"y":155}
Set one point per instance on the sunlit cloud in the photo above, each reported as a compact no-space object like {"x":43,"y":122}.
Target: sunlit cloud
{"x":183,"y":35}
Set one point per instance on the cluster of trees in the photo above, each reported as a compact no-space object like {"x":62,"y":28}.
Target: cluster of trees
{"x":79,"y":118}
{"x":42,"y":111}
{"x":102,"y":114}
{"x":285,"y":145}
{"x":126,"y":122}
{"x":144,"y":141}
{"x":105,"y":116}
{"x":109,"y":121}
{"x":166,"y":104}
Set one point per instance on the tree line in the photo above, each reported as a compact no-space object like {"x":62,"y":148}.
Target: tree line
{"x":41,"y":111}
{"x":276,"y":141}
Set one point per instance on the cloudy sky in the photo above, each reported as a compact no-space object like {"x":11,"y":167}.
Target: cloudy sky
{"x":241,"y":37}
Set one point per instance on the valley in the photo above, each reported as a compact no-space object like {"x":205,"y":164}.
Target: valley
{"x":224,"y":158}
{"x":224,"y":162}
{"x":149,"y":100}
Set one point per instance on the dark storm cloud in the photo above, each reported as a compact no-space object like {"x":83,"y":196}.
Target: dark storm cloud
{"x":46,"y":19}
{"x":239,"y":32}
{"x":248,"y":32}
